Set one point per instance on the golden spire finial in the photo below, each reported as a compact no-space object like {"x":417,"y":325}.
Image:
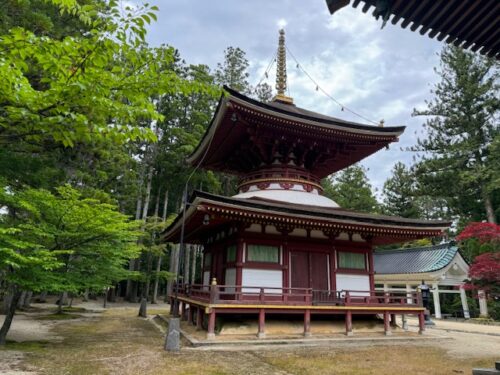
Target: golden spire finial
{"x":281,"y":71}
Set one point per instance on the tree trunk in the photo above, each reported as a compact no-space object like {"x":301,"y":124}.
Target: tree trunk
{"x":149,"y":267}
{"x":20,"y":302}
{"x":27,"y":300}
{"x":62,"y":301}
{"x":6,"y":303}
{"x":157,"y":280}
{"x":157,"y":203}
{"x":490,"y":214}
{"x":105,"y":299}
{"x":148,"y":193}
{"x":143,"y":308}
{"x":43,"y":297}
{"x":16,"y":295}
{"x":131,"y":288}
{"x":165,"y":207}
{"x":86,"y":295}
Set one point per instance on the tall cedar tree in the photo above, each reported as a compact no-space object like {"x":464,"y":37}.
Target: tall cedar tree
{"x":462,"y":131}
{"x":233,"y":72}
{"x":400,"y":193}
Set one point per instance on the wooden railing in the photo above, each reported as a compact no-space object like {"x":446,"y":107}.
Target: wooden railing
{"x":232,"y":294}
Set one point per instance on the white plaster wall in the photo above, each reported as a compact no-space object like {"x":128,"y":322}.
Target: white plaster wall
{"x":262,"y":278}
{"x":353,"y":282}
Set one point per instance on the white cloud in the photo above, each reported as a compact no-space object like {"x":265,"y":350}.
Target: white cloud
{"x":378,"y":73}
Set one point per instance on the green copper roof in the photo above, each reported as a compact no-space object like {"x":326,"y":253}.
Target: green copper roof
{"x":414,"y":260}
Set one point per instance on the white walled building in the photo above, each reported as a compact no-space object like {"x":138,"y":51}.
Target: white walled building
{"x":442,"y":267}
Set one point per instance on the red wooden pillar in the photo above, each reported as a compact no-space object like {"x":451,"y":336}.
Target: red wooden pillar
{"x":421,"y":323}
{"x":199,"y":318}
{"x":387,"y":325}
{"x":190,"y":314}
{"x":348,"y":323}
{"x":239,"y":267}
{"x":211,"y":325}
{"x":262,"y":324}
{"x":307,"y":323}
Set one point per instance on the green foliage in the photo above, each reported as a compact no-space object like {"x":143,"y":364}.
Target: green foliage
{"x":460,"y":150}
{"x":64,"y":241}
{"x":44,"y":17}
{"x":399,"y":193}
{"x":263,"y":92}
{"x":82,"y":88}
{"x":350,"y":189}
{"x":233,"y":71}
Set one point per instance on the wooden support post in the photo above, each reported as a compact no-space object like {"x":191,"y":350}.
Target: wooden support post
{"x":171,"y":306}
{"x":421,"y":323}
{"x":211,"y":325}
{"x":307,"y":323}
{"x":183,"y":310}
{"x":190,"y":314}
{"x":405,"y":322}
{"x":262,"y":324}
{"x":199,"y":319}
{"x":393,"y":320}
{"x":348,"y":323}
{"x":387,"y":326}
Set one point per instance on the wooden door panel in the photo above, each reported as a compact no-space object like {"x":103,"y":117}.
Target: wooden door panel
{"x":299,"y":269}
{"x":319,"y":271}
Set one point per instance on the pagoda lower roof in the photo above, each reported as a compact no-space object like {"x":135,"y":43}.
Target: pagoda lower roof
{"x":381,"y":229}
{"x":245,"y":133}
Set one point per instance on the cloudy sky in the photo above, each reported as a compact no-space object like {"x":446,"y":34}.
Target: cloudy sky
{"x":382,"y":74}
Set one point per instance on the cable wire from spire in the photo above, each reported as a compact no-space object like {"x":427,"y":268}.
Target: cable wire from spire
{"x":319,"y":88}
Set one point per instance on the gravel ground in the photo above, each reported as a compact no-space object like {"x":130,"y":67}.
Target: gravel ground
{"x":115,"y":341}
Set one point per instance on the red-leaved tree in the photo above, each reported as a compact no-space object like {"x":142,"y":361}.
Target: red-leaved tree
{"x":483,"y":232}
{"x":485,"y":273}
{"x":480,"y":243}
{"x":479,"y":238}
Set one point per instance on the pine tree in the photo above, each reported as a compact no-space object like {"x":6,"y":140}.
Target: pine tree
{"x":400,"y":193}
{"x":350,"y":189}
{"x":462,"y":128}
{"x":233,"y":72}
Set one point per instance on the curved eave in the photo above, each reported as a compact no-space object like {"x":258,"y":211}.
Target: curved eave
{"x":234,"y":101}
{"x":241,"y":210}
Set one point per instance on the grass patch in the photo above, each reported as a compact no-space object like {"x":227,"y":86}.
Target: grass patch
{"x":59,"y":316}
{"x":75,"y":309}
{"x":387,"y":360}
{"x":118,"y":342}
{"x":25,"y":346}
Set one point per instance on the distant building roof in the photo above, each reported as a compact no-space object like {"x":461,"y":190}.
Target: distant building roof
{"x":414,"y":260}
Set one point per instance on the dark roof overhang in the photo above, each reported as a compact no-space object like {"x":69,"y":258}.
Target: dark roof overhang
{"x":240,"y":122}
{"x":380,"y":228}
{"x":470,"y":24}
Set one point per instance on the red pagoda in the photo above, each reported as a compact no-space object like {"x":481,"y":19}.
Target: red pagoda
{"x":279,"y":246}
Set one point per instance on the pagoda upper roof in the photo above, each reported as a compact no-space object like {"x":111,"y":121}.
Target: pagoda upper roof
{"x":382,"y":229}
{"x":245,"y":133}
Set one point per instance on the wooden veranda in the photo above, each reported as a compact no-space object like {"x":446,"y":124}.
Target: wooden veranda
{"x":197,"y":300}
